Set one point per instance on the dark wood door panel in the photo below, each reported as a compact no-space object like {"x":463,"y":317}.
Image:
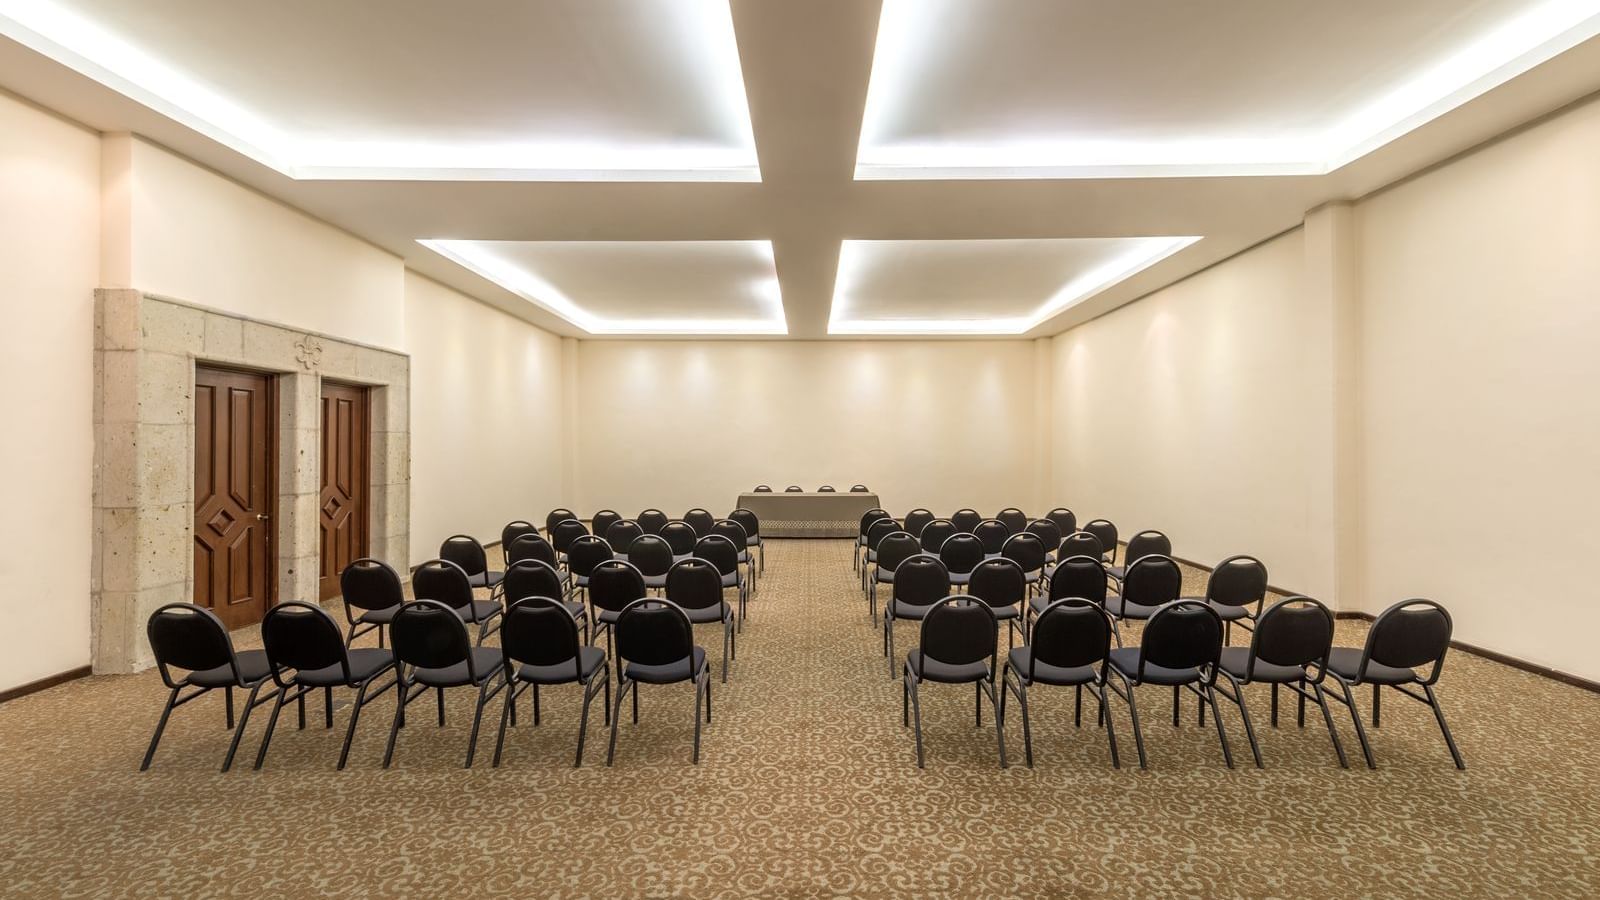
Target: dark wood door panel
{"x":234,"y":466}
{"x":343,"y":500}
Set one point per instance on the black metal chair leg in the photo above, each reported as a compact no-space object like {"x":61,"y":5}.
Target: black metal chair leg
{"x":1274,"y":705}
{"x":977,"y":703}
{"x":399,"y":719}
{"x":1111,"y":730}
{"x":999,"y":721}
{"x":1438,"y":713}
{"x":1355,"y":716}
{"x":916,"y":710}
{"x":1177,"y":704}
{"x":1327,"y":716}
{"x":244,"y":719}
{"x":1377,"y":704}
{"x":477,"y":719}
{"x":1077,"y":707}
{"x":506,"y":709}
{"x":1133,"y":712}
{"x":161,"y":725}
{"x":272,"y":722}
{"x":228,"y":697}
{"x":327,"y":707}
{"x":536,"y":706}
{"x":355,"y":716}
{"x":583,"y":717}
{"x":635,"y":703}
{"x":300,"y":709}
{"x":698,"y":692}
{"x":440,"y":692}
{"x":1210,"y":696}
{"x":616,"y":718}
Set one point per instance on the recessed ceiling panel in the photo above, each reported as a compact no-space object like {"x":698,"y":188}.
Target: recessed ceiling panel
{"x":636,"y":287}
{"x":979,"y":286}
{"x":526,"y":89}
{"x":1090,"y":88}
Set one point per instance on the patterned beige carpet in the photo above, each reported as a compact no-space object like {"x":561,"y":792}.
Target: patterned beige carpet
{"x":807,"y":787}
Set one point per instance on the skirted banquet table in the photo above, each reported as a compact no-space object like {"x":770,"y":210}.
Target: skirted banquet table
{"x":809,"y":514}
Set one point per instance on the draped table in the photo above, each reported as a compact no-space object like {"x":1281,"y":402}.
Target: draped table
{"x":809,"y":514}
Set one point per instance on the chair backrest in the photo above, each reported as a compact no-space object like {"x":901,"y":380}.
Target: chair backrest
{"x":603,"y":520}
{"x":1295,"y":631}
{"x":700,"y":520}
{"x":749,"y":521}
{"x":921,"y":580}
{"x":587,"y":552}
{"x":1238,"y":581}
{"x":1106,"y":533}
{"x":429,"y":635}
{"x":298,"y":635}
{"x":465,"y":551}
{"x":966,"y":519}
{"x":538,"y":631}
{"x":993,"y":533}
{"x":531,"y":546}
{"x":935,"y":533}
{"x":614,"y":584}
{"x":1080,"y":576}
{"x":895,"y":548}
{"x":961,"y":552}
{"x":826,"y":489}
{"x":442,"y":581}
{"x":1153,"y":581}
{"x":1065,"y":519}
{"x":514,"y":530}
{"x":1181,"y":635}
{"x":763,"y":489}
{"x":371,"y":584}
{"x":1080,"y":543}
{"x":1071,"y":632}
{"x":719,"y":551}
{"x":858,"y":489}
{"x":189,"y":637}
{"x":998,"y":582}
{"x":1015,"y":519}
{"x":653,"y":633}
{"x":916,"y":519}
{"x":652,"y":520}
{"x":650,"y":554}
{"x":1048,"y":532}
{"x":621,"y":533}
{"x":1408,"y":635}
{"x":680,"y":536}
{"x":694,"y":583}
{"x":565,"y":533}
{"x":1147,"y":543}
{"x":1026,"y":549}
{"x":959,"y":631}
{"x":794,"y":489}
{"x":733,"y":531}
{"x":556,"y":517}
{"x":879,"y":530}
{"x":531,"y":578}
{"x":873,"y":515}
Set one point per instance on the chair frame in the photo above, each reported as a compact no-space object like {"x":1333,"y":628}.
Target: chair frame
{"x":1018,"y":682}
{"x":1201,"y":688}
{"x":598,"y":681}
{"x":406,"y":697}
{"x":700,"y":678}
{"x":176,"y":698}
{"x":985,"y":686}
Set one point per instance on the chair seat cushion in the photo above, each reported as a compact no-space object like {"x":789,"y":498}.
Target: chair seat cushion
{"x":1006,"y":612}
{"x":607,"y":616}
{"x":668,"y":673}
{"x":1044,"y":673}
{"x":884,"y":576}
{"x":655,"y":581}
{"x":1345,"y":660}
{"x":1127,"y":609}
{"x":1229,"y":613}
{"x":486,"y":659}
{"x":589,"y":660}
{"x":753,"y":540}
{"x":901,"y":610}
{"x":486,"y":579}
{"x":1234,"y":660}
{"x":744,"y":556}
{"x":705,"y":614}
{"x":934,"y":670}
{"x":378,"y":616}
{"x":1117,"y":573}
{"x":960,"y":577}
{"x":364,"y":663}
{"x":479,"y":611}
{"x":731,"y":579}
{"x":575,"y":607}
{"x":1126,"y":661}
{"x":252,"y":668}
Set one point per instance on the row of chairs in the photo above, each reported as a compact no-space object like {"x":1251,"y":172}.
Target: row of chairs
{"x":562,"y":527}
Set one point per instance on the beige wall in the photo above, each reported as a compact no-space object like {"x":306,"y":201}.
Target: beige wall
{"x":486,"y":394}
{"x":49,"y":264}
{"x":1481,"y":392}
{"x":681,"y":424}
{"x":1187,"y":412}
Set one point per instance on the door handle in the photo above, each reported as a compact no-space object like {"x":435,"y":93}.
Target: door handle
{"x":261,"y":517}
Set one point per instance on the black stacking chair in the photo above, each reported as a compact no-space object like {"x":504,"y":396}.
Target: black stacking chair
{"x":966,"y":519}
{"x":794,"y":489}
{"x":191,"y":638}
{"x":960,"y":640}
{"x":1106,"y":534}
{"x":1015,"y":519}
{"x":695,"y":586}
{"x":613,"y":584}
{"x":893,"y":549}
{"x":1180,"y":648}
{"x":826,"y":489}
{"x":993,"y":533}
{"x":763,"y":489}
{"x":917,"y":519}
{"x":304,"y":638}
{"x":444,"y":581}
{"x":1078,"y":543}
{"x":1289,"y":648}
{"x":753,"y":541}
{"x":701,"y":520}
{"x":652,"y":520}
{"x":585,"y":553}
{"x":1149,"y":584}
{"x":465,"y":551}
{"x":1069,"y":647}
{"x":556,"y":517}
{"x":510,"y":533}
{"x":1082,"y":577}
{"x":921,"y":581}
{"x":935,"y":533}
{"x":539,"y":645}
{"x":1409,"y":635}
{"x":655,"y":645}
{"x":858,"y":489}
{"x":621,"y":534}
{"x":1236,"y":589}
{"x":537,"y":578}
{"x":602,"y":521}
{"x":876,"y":532}
{"x":532,"y":546}
{"x":1145,"y":543}
{"x":1065,"y":519}
{"x":374,"y":588}
{"x":1026,"y":550}
{"x":565,"y":534}
{"x":431,"y":650}
{"x":1003,"y":585}
{"x":724,"y":554}
{"x":960,"y":553}
{"x":680,"y":536}
{"x":652,"y":556}
{"x":1048,"y":533}
{"x":875,"y":514}
{"x":740,"y":539}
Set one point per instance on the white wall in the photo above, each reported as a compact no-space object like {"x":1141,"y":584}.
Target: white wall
{"x":486,"y":394}
{"x":1186,"y":412}
{"x":681,"y":424}
{"x":1481,"y":313}
{"x":49,"y":265}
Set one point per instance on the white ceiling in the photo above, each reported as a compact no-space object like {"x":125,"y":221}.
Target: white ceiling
{"x":675,"y":136}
